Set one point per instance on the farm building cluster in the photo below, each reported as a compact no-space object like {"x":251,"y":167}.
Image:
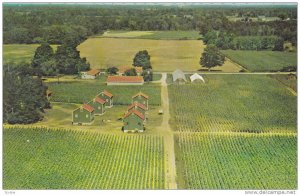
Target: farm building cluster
{"x":84,"y":115}
{"x":135,"y":116}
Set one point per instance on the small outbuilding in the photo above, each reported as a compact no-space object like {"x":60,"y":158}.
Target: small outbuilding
{"x":137,"y":106}
{"x":141,"y":98}
{"x":125,"y":80}
{"x":133,"y":121}
{"x":108,"y":97}
{"x":99,"y":105}
{"x":196,"y":78}
{"x":178,"y":77}
{"x":92,"y":74}
{"x":83,"y":115}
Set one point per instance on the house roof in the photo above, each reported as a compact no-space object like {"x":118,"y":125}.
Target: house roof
{"x":137,"y":104}
{"x":99,"y":100}
{"x":178,"y":74}
{"x":125,"y":79}
{"x":107,"y":93}
{"x":135,"y":112}
{"x":141,"y":94}
{"x":122,"y":69}
{"x":93,"y":72}
{"x":196,"y":76}
{"x":88,"y":107}
{"x":139,"y":69}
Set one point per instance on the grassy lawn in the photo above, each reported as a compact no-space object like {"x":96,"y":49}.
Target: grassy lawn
{"x":19,"y":53}
{"x":166,"y":55}
{"x":41,"y":158}
{"x":260,"y":61}
{"x":158,"y":35}
{"x":208,"y":161}
{"x":238,"y":103}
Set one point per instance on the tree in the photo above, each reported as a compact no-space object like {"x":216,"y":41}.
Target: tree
{"x":148,"y":75}
{"x":278,"y":46}
{"x":142,"y":59}
{"x":211,"y":57}
{"x":42,"y":54}
{"x":130,"y":72}
{"x":112,"y":70}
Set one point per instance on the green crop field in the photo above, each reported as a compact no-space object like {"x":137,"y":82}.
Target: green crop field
{"x":40,"y":158}
{"x":166,"y":55}
{"x":159,"y":35}
{"x":238,"y":103}
{"x":254,"y":161}
{"x":260,"y":61}
{"x":19,"y":53}
{"x":84,"y":91}
{"x":288,"y":80}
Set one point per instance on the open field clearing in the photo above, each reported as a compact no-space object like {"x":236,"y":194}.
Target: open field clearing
{"x":163,"y":35}
{"x":207,"y":161}
{"x":40,"y":158}
{"x":238,"y":103}
{"x":166,"y":55}
{"x":17,"y":53}
{"x":259,"y":61}
{"x":83,"y":91}
{"x":60,"y":116}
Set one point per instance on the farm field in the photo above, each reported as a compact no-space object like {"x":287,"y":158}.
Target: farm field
{"x":287,"y":80}
{"x":262,"y":61}
{"x":17,"y":53}
{"x":233,"y":103}
{"x":83,"y":91}
{"x":166,"y":55}
{"x":41,"y":158}
{"x":213,"y":161}
{"x":159,"y":35}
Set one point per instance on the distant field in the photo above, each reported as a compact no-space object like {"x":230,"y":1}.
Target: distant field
{"x":40,"y":158}
{"x":208,"y":161}
{"x":163,"y":35}
{"x":261,"y":61}
{"x":239,"y":103}
{"x":84,"y":91}
{"x":17,"y":53}
{"x":166,"y":55}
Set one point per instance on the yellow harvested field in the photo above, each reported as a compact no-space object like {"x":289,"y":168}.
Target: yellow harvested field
{"x":166,"y":55}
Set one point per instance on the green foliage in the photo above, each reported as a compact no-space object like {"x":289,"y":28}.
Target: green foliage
{"x":142,"y":59}
{"x":211,"y":57}
{"x":261,"y":61}
{"x":24,"y":97}
{"x":215,"y":161}
{"x":238,"y":103}
{"x":84,"y":91}
{"x":255,"y":42}
{"x":112,"y":70}
{"x":148,"y":75}
{"x":40,"y":158}
{"x":130,"y":72}
{"x":43,"y":55}
{"x":221,"y":39}
{"x":278,"y":45}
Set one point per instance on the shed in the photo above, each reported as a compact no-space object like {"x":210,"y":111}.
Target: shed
{"x":83,"y":115}
{"x":99,"y":105}
{"x":141,"y":98}
{"x":92,"y":74}
{"x":125,"y":80}
{"x":196,"y":78}
{"x":108,"y":97}
{"x":137,"y":106}
{"x":178,"y":77}
{"x":133,"y":121}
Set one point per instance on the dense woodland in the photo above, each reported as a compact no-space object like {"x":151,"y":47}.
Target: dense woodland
{"x":56,"y":23}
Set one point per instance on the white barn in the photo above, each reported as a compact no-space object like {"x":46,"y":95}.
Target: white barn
{"x":196,"y":77}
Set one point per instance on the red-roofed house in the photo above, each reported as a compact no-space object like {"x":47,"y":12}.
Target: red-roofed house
{"x":133,"y":121}
{"x":108,"y":97}
{"x":84,"y":115}
{"x":141,"y":98}
{"x":137,"y":106}
{"x":125,"y":80}
{"x":91,"y":74}
{"x":99,"y":105}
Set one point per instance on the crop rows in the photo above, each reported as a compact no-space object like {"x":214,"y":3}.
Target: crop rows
{"x":213,"y":161}
{"x":40,"y":158}
{"x":81,"y":92}
{"x":239,"y":103}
